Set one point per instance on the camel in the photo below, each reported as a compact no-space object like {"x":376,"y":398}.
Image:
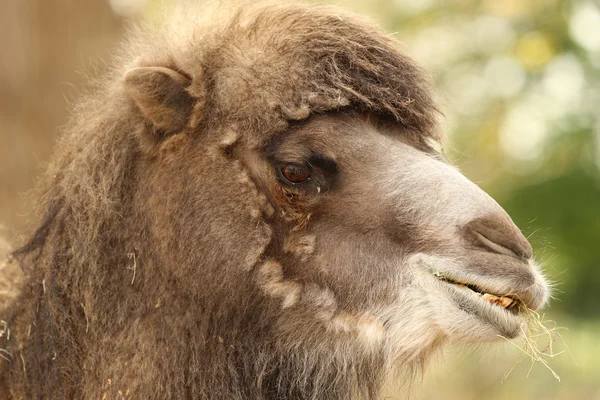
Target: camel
{"x":256,"y":206}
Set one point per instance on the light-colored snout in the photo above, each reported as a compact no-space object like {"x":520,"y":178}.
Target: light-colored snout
{"x":458,"y":221}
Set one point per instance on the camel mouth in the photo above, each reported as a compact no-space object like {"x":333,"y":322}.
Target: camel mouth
{"x":506,"y":302}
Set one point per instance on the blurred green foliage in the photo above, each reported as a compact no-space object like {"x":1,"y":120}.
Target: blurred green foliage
{"x":567,"y":220}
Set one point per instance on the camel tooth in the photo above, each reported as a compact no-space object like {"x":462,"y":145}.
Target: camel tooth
{"x":513,"y":305}
{"x":490,"y":297}
{"x":505,"y":301}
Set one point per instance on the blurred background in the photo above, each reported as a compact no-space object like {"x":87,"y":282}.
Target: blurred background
{"x":519,"y":82}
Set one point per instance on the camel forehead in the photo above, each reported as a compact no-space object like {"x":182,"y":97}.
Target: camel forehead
{"x":342,"y":135}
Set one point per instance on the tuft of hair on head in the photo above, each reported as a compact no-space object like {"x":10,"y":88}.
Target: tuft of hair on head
{"x":315,"y":59}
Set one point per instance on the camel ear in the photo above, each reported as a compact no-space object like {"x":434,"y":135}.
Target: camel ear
{"x":161,"y":95}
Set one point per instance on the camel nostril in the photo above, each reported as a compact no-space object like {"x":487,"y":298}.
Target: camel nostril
{"x":499,"y":234}
{"x":498,"y":248}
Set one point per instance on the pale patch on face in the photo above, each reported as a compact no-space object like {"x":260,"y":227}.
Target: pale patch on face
{"x":229,"y":138}
{"x":262,"y":237}
{"x":369,"y":329}
{"x":270,"y":279}
{"x":300,"y":245}
{"x":366,"y":327}
{"x":265,"y":205}
{"x":296,"y":113}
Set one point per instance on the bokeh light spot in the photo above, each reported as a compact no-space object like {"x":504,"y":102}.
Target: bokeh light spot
{"x":505,"y":76}
{"x":534,"y":50}
{"x":584,"y":26}
{"x":523,"y":132}
{"x":563,"y":81}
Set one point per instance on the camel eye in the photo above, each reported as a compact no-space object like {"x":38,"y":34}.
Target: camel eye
{"x":295,"y":173}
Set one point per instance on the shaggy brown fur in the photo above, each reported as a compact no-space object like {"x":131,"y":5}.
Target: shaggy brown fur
{"x":163,"y":244}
